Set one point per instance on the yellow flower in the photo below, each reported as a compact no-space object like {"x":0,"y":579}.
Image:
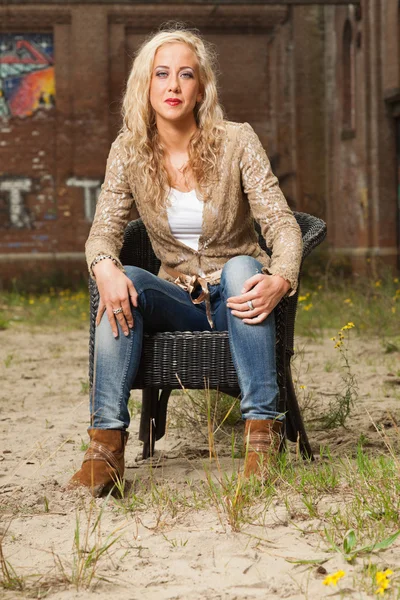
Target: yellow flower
{"x":307,"y":306}
{"x":349,"y":325}
{"x":338,"y":344}
{"x":383,"y":581}
{"x":333,"y":339}
{"x":302,"y":387}
{"x":393,"y":309}
{"x":396,"y":280}
{"x":334,"y":578}
{"x":303,"y":298}
{"x":348,"y":301}
{"x":31,"y":301}
{"x":383,"y":575}
{"x":378,"y":283}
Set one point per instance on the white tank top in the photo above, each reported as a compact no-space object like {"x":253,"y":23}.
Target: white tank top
{"x":185,"y":217}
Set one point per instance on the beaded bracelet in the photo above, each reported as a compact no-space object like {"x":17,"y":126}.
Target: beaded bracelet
{"x":102,"y":257}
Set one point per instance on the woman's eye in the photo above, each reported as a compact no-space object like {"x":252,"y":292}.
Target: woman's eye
{"x":163,"y":74}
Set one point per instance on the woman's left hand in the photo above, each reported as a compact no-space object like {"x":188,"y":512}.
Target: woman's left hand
{"x":264,"y":291}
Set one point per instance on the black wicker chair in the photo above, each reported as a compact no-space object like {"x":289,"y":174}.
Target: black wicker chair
{"x":203,"y":358}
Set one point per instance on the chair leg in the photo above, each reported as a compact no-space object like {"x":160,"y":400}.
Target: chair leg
{"x":161,"y":415}
{"x":147,"y":429}
{"x":153,"y":418}
{"x":295,"y":429}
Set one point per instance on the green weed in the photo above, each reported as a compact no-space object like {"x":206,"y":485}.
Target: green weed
{"x":340,"y":408}
{"x":89,"y":547}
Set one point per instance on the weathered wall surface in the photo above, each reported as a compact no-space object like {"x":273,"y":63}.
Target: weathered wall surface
{"x":361,"y":183}
{"x":341,"y":77}
{"x":327,"y":114}
{"x":52,"y":158}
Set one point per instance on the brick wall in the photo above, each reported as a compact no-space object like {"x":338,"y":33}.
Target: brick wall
{"x":52,"y":162}
{"x":281,"y":69}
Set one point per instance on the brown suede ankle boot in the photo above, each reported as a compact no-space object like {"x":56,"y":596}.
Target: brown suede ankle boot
{"x":262,"y":439}
{"x":103,"y":463}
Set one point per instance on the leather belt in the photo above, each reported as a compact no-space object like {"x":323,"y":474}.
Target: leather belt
{"x":189,"y":283}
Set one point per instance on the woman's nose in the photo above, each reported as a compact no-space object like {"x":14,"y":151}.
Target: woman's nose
{"x":174,"y":84}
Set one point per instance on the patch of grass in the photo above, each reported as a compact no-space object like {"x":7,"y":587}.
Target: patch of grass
{"x":8,"y":360}
{"x":84,"y":387}
{"x":195,"y":408}
{"x":90,"y":546}
{"x":374,"y":304}
{"x":389,"y":347}
{"x":84,"y":445}
{"x":63,"y":309}
{"x":10,"y":580}
{"x":134,"y":404}
{"x":4,"y":323}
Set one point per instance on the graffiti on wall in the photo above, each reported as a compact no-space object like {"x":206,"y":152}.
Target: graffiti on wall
{"x":12,"y":192}
{"x":26,"y":73}
{"x":91,"y":190}
{"x":14,"y":212}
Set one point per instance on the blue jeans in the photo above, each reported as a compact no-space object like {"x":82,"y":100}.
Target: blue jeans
{"x":163,"y":306}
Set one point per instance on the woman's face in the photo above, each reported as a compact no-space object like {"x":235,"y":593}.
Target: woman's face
{"x":175,"y":83}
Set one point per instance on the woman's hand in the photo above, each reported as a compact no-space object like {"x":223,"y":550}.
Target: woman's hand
{"x":115,"y":290}
{"x":264,"y":291}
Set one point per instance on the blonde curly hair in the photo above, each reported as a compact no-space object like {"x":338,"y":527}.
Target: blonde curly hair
{"x":139,"y":133}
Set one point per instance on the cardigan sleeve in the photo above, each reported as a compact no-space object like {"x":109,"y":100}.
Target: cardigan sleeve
{"x":269,"y":207}
{"x":112,"y":211}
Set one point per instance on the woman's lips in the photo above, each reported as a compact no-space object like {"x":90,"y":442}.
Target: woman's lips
{"x":173,"y":102}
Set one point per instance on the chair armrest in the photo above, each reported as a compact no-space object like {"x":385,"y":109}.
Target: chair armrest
{"x":313,"y":231}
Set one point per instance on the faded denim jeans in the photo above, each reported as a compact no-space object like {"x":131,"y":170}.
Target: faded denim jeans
{"x":163,"y":306}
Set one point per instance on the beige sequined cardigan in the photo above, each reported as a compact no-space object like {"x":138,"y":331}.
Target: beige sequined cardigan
{"x":245,"y":189}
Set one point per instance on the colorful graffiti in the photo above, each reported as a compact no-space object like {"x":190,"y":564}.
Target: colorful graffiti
{"x":26,"y":73}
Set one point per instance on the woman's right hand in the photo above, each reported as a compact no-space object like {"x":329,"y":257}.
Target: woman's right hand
{"x":115,"y":289}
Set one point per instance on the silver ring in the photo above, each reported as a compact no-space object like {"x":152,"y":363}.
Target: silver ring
{"x":250,"y":304}
{"x":116,"y":311}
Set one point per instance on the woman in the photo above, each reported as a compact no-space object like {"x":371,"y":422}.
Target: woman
{"x":197,"y":181}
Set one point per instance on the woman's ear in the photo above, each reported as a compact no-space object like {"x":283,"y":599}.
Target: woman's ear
{"x":200,"y":95}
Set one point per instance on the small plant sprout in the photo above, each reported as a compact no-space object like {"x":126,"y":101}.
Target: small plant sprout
{"x":350,"y":550}
{"x":8,"y":360}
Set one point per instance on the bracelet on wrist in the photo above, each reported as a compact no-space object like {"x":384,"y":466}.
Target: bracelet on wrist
{"x":102,"y":257}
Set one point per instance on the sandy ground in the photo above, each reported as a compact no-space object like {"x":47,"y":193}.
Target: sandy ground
{"x":193,"y":554}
